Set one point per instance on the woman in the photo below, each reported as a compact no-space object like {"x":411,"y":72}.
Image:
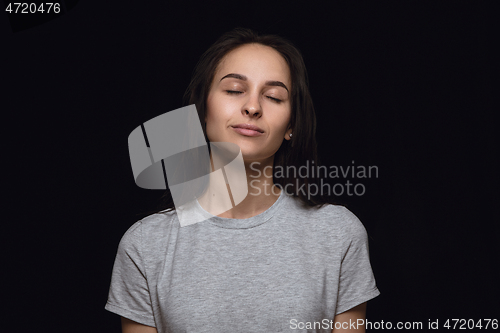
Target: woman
{"x":281,"y":260}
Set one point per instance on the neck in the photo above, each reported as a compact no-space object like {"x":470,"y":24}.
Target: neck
{"x":262,"y":193}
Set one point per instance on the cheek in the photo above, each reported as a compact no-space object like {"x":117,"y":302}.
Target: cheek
{"x":218,"y":111}
{"x":215,"y":119}
{"x":211,"y":116}
{"x":282,"y":120}
{"x":208,"y":108}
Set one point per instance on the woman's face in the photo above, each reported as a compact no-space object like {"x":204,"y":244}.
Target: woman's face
{"x":251,"y":86}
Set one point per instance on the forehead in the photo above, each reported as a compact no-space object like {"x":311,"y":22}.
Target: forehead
{"x":257,"y":62}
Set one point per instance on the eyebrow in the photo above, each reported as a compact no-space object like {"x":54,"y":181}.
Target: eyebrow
{"x":244,"y":78}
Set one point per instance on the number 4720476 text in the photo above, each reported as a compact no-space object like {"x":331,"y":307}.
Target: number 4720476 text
{"x":32,"y":8}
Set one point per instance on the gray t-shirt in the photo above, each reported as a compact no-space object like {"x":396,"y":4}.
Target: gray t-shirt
{"x":274,"y":272}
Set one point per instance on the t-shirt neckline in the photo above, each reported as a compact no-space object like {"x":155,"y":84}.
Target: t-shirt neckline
{"x":231,"y":223}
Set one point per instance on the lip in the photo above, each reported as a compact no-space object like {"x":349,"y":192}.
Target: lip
{"x":248,"y":130}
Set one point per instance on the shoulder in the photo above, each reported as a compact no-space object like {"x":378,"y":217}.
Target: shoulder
{"x":336,"y":219}
{"x":148,"y":228}
{"x":345,"y":230}
{"x":159,"y":220}
{"x":343,"y":218}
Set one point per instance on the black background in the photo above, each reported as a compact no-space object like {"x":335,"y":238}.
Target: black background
{"x":407,"y":86}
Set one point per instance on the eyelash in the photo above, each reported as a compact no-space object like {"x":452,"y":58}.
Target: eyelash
{"x":234,"y":92}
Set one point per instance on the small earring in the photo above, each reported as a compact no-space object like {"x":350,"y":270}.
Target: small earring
{"x":290,"y":135}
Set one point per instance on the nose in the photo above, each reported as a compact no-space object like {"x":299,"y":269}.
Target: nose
{"x":252,"y":106}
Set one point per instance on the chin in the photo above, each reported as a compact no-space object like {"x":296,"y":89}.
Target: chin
{"x":250,"y":151}
{"x":255,"y":156}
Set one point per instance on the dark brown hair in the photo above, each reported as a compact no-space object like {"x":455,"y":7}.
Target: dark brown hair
{"x":293,"y":153}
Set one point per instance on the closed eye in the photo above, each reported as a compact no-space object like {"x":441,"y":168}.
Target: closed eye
{"x":235,"y":92}
{"x":274,"y":99}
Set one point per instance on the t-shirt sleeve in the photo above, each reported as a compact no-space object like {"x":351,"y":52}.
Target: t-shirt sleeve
{"x":129,"y":294}
{"x":357,"y":283}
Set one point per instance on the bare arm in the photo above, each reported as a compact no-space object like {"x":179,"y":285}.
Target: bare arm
{"x":343,"y":323}
{"x":129,"y":326}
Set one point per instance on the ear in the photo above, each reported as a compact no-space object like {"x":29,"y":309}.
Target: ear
{"x":287,"y":133}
